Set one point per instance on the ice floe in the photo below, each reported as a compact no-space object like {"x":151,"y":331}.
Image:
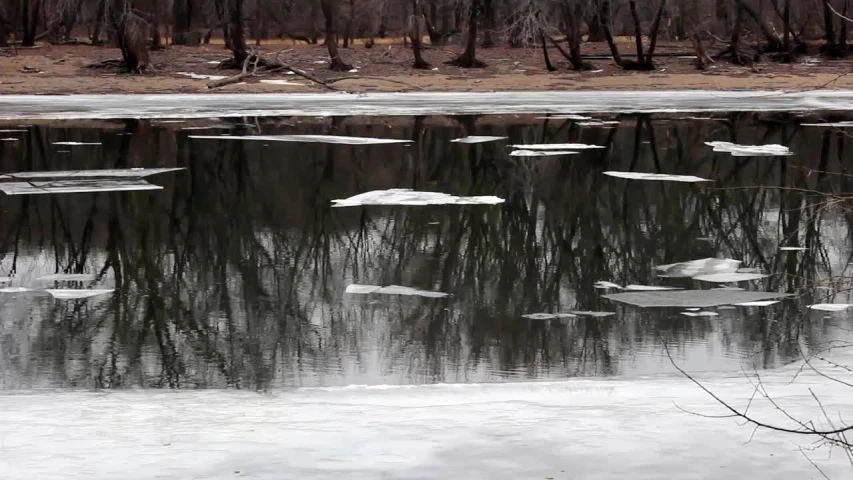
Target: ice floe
{"x":540,"y":153}
{"x":604,"y":285}
{"x":750,"y":150}
{"x":478,"y":139}
{"x":649,"y":288}
{"x":793,"y":249}
{"x":73,"y":294}
{"x":844,"y":124}
{"x":356,"y":289}
{"x":333,"y":139}
{"x":761,"y":303}
{"x":565,"y":117}
{"x":702,"y":266}
{"x":556,"y":146}
{"x":657,"y":177}
{"x":831,"y":307}
{"x":547,"y":316}
{"x":68,"y":277}
{"x":692,"y":298}
{"x":730,"y":277}
{"x":106,"y":173}
{"x":15,"y":290}
{"x":278,"y":81}
{"x":404,"y":196}
{"x":700,"y":314}
{"x":586,"y":313}
{"x":76,"y":143}
{"x":75,"y":186}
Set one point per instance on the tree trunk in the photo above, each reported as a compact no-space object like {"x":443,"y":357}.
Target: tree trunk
{"x":348,"y":33}
{"x":221,"y":17}
{"x":572,"y":14}
{"x":181,"y":21}
{"x":256,"y":24}
{"x":653,"y":34}
{"x":608,"y":35}
{"x":829,"y":29}
{"x":774,"y":43}
{"x":599,"y":17}
{"x":99,"y":22}
{"x":842,"y":41}
{"x":638,"y":32}
{"x":786,"y":39}
{"x":4,"y":38}
{"x":131,"y":32}
{"x":313,"y":31}
{"x":548,"y":64}
{"x":156,"y":40}
{"x":488,"y":24}
{"x":337,"y":64}
{"x":468,"y":59}
{"x":737,"y":59}
{"x":415,"y":34}
{"x":30,"y":17}
{"x":236,"y":35}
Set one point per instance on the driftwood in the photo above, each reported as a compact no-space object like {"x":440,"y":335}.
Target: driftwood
{"x":251,"y":58}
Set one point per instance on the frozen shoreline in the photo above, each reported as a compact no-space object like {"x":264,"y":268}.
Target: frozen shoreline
{"x":570,"y":429}
{"x":20,"y":107}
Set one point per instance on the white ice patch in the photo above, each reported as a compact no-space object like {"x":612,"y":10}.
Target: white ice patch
{"x":730,"y":277}
{"x":650,"y":288}
{"x":76,"y":143}
{"x":750,"y":150}
{"x":763,"y":303}
{"x":584,"y":313}
{"x":406,"y":197}
{"x":845,"y":124}
{"x":214,"y":62}
{"x":15,"y":290}
{"x":605,"y":285}
{"x":198,"y":76}
{"x":393,"y":290}
{"x":333,"y":139}
{"x":282,"y":82}
{"x":75,"y":186}
{"x":607,"y":124}
{"x":692,"y":298}
{"x":548,"y":316}
{"x":793,"y":249}
{"x":831,"y":307}
{"x":565,"y":117}
{"x":698,"y":267}
{"x":106,"y":173}
{"x":539,"y":153}
{"x":9,"y":140}
{"x":657,"y":177}
{"x":556,"y":146}
{"x":478,"y":139}
{"x":700,"y":314}
{"x":73,"y":293}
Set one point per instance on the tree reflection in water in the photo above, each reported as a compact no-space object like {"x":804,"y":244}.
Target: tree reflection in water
{"x":234,"y":274}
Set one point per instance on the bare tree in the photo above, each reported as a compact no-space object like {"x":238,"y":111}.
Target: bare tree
{"x":182,"y":11}
{"x":644,"y":58}
{"x":131,"y":33}
{"x":415,"y":36}
{"x":468,"y":58}
{"x":30,"y":13}
{"x":330,"y":11}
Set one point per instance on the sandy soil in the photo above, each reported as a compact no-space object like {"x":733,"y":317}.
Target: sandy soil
{"x":63,"y":70}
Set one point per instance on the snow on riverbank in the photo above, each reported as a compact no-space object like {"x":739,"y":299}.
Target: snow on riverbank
{"x":573,"y":429}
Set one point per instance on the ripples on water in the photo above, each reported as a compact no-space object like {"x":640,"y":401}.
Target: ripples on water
{"x":234,"y":273}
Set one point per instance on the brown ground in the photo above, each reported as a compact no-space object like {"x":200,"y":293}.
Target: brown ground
{"x":62,"y":70}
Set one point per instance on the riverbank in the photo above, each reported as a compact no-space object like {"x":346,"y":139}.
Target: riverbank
{"x":49,"y":69}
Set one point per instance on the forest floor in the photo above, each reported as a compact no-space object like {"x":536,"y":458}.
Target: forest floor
{"x":52,"y":69}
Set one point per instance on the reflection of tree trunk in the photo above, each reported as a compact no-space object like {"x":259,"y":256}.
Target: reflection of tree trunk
{"x":329,"y":8}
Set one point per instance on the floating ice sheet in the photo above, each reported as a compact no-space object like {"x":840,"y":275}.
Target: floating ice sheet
{"x":107,"y":173}
{"x":793,"y":249}
{"x":657,"y":176}
{"x":404,"y":196}
{"x":334,"y":139}
{"x":692,"y":298}
{"x":9,"y":140}
{"x":72,"y":293}
{"x":556,"y":146}
{"x":75,"y":186}
{"x":750,"y":150}
{"x":478,"y":139}
{"x":702,"y":266}
{"x":831,"y":307}
{"x":540,"y":153}
{"x":15,"y":290}
{"x":356,"y":289}
{"x":12,"y":130}
{"x":76,"y":143}
{"x":761,"y":303}
{"x":845,"y":124}
{"x":649,"y":288}
{"x":548,"y":316}
{"x":611,"y":123}
{"x":604,"y":284}
{"x":700,"y":314}
{"x":68,"y":277}
{"x":584,"y":313}
{"x":730,"y":277}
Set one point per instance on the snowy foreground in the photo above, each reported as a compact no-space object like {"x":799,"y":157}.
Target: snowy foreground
{"x":572,"y":429}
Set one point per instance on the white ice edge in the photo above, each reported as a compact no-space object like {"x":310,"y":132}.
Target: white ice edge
{"x":406,"y":197}
{"x":662,"y":177}
{"x":478,"y":139}
{"x":500,"y":431}
{"x":556,"y":146}
{"x":332,"y":139}
{"x":356,"y":289}
{"x":413,"y":103}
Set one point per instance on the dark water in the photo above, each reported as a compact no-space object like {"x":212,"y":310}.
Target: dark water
{"x":233,"y":274}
